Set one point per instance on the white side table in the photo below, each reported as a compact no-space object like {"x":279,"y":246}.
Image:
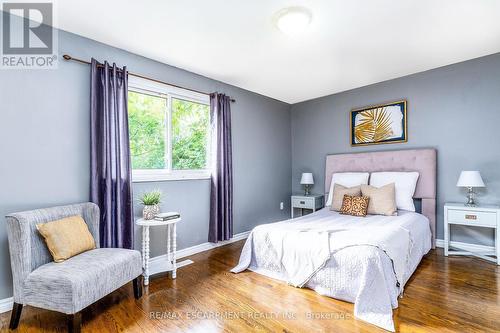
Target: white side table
{"x":171,"y":264}
{"x":311,"y":201}
{"x":480,"y":216}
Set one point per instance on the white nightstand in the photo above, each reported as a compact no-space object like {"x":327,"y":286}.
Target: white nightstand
{"x":484,"y":217}
{"x":312,"y":202}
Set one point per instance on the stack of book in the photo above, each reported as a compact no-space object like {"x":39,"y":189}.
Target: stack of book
{"x":167,"y":216}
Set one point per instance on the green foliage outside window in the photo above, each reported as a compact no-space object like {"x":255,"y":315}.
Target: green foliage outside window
{"x":190,"y":122}
{"x":147,"y":127}
{"x":146,"y":120}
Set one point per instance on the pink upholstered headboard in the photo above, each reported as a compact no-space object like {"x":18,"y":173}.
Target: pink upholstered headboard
{"x":424,"y":161}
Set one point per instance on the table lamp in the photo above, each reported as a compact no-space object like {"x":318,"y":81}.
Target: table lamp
{"x":470,"y":179}
{"x":307,"y":180}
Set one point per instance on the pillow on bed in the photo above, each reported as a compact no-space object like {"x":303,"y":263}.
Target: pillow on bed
{"x":405,"y":183}
{"x":354,"y":205}
{"x":382,"y":199}
{"x":338,"y":195}
{"x":347,"y":179}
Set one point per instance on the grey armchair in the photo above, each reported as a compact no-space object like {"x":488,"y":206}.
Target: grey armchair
{"x":72,"y":285}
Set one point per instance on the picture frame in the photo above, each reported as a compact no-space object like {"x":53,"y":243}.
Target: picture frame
{"x":379,"y":124}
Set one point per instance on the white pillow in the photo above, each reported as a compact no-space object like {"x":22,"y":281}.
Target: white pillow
{"x":347,"y":179}
{"x":405,"y":182}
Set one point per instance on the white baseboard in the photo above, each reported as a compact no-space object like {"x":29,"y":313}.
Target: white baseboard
{"x":6,"y":303}
{"x":466,"y":246}
{"x":161,"y":264}
{"x":209,"y":246}
{"x":189,"y":251}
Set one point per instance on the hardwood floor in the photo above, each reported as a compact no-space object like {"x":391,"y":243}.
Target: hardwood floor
{"x":444,"y":295}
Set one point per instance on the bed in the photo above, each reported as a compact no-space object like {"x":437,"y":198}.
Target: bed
{"x":366,"y":261}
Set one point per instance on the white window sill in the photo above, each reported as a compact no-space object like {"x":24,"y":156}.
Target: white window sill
{"x":161,"y":177}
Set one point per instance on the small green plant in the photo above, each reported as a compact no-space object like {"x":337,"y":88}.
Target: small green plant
{"x":151,"y":198}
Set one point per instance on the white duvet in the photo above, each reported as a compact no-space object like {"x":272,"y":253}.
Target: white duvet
{"x":366,"y":261}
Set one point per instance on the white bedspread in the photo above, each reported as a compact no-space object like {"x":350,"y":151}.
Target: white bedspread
{"x":366,"y":261}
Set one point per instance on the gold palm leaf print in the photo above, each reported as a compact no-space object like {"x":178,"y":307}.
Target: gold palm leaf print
{"x":374,"y":126}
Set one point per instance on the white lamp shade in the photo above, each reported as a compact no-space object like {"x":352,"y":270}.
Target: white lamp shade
{"x":307,"y":178}
{"x":470,"y":179}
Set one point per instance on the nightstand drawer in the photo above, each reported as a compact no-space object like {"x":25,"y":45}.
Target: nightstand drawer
{"x":303,"y":203}
{"x":472,"y":217}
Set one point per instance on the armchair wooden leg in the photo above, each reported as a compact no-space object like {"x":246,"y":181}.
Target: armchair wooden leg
{"x":137,"y":287}
{"x":75,"y":322}
{"x":15,"y":316}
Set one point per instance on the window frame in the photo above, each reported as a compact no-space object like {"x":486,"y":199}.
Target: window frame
{"x":145,"y":86}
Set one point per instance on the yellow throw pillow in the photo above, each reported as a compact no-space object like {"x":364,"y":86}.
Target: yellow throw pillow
{"x":66,"y":237}
{"x":382,"y":199}
{"x":338,"y":195}
{"x":355,"y":206}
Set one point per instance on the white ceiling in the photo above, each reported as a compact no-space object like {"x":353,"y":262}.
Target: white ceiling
{"x":349,"y":44}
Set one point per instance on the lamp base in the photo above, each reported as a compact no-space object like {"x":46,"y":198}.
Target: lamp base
{"x":306,"y":190}
{"x":470,"y":198}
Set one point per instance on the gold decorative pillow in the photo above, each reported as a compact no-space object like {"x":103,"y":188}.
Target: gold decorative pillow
{"x":66,"y":237}
{"x":338,"y":195}
{"x":382,"y":199}
{"x":354,"y":205}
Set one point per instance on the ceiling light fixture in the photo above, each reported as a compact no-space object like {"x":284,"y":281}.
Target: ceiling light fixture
{"x":293,"y":20}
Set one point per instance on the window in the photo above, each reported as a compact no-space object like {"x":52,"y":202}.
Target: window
{"x":169,"y":132}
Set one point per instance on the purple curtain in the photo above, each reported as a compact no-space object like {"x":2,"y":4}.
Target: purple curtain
{"x":221,"y":192}
{"x":110,"y":183}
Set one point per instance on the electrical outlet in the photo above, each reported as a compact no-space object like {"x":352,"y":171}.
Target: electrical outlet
{"x":281,"y":205}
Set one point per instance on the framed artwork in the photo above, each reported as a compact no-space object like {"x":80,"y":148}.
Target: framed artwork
{"x":379,"y":124}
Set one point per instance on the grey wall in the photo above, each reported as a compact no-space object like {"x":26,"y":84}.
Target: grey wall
{"x":44,"y":147}
{"x":455,"y":109}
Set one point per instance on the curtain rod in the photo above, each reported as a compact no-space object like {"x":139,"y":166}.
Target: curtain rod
{"x":68,"y":58}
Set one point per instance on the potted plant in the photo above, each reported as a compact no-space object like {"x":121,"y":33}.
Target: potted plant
{"x":151,"y":201}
